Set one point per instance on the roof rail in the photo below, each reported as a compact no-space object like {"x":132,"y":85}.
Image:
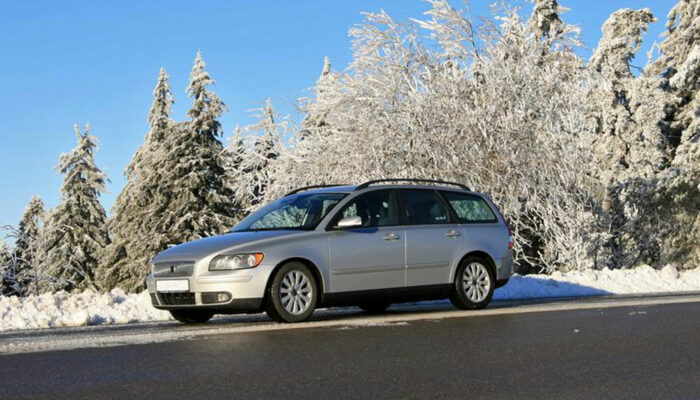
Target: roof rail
{"x":295,"y":191}
{"x":366,"y":184}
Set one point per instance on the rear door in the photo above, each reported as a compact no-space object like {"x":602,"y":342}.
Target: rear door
{"x":371,"y":256}
{"x":481,"y":226}
{"x":433,"y":237}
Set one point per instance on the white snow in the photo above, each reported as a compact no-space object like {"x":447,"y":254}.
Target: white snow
{"x":64,"y":309}
{"x":640,"y":280}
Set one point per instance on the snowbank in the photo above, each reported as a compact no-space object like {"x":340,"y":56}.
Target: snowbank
{"x":640,"y":280}
{"x":89,"y":308}
{"x":64,"y":309}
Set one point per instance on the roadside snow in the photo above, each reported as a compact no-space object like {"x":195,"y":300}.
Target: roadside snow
{"x":116,"y":307}
{"x":65,"y":309}
{"x":640,"y":280}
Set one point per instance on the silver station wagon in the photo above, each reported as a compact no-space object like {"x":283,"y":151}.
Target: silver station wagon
{"x":372,"y":245}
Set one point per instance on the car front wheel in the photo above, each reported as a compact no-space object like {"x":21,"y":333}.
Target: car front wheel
{"x":474,"y":284}
{"x":293,"y":294}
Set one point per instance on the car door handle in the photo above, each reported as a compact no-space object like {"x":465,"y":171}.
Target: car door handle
{"x":452,"y":234}
{"x":391,"y":236}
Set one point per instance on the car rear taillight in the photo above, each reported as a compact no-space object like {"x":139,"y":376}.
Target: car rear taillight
{"x":511,"y":239}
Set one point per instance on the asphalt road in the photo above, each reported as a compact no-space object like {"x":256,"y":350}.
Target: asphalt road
{"x":636,"y":352}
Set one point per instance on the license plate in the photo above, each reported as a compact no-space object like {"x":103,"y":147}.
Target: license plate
{"x":173,"y":286}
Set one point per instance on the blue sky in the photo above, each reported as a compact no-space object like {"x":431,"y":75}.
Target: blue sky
{"x":73,"y":62}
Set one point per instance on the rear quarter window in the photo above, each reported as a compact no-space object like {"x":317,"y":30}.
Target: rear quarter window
{"x":469,"y":208}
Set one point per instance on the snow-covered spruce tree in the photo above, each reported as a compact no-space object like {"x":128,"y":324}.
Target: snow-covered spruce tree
{"x":236,"y":177}
{"x":545,"y":21}
{"x":5,"y":254}
{"x":200,"y":165}
{"x":678,"y":73}
{"x":133,"y":239}
{"x":262,"y":158}
{"x":10,"y":283}
{"x":301,"y":154}
{"x":501,"y":110}
{"x":185,"y":178}
{"x":76,"y":234}
{"x":677,"y":64}
{"x":28,"y":249}
{"x":7,"y":270}
{"x":20,"y":268}
{"x":630,"y":145}
{"x":314,"y":123}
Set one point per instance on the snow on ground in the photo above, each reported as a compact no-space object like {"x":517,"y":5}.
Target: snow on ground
{"x":65,"y":309}
{"x":89,"y":308}
{"x":640,"y":280}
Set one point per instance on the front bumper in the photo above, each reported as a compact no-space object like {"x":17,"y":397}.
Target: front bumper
{"x":246,"y":288}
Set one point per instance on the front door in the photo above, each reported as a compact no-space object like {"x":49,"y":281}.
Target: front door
{"x":371,"y":256}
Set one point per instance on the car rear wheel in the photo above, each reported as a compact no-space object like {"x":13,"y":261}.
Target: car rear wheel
{"x":293,"y":294}
{"x":375,"y":307}
{"x":474,"y":284}
{"x":192,"y":316}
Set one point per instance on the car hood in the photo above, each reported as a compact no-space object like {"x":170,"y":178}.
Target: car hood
{"x":195,"y":250}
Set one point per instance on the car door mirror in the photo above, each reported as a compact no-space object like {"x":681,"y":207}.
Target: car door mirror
{"x":349,"y":222}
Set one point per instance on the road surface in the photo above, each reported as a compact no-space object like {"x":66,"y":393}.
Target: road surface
{"x":582,"y":349}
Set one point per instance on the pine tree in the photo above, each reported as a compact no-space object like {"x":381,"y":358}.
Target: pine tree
{"x":5,"y":254}
{"x":235,"y":174}
{"x":678,"y":73}
{"x":545,"y":20}
{"x":133,"y":239}
{"x":631,"y":145}
{"x":314,"y":122}
{"x":188,"y":194}
{"x":266,"y":149}
{"x":76,"y":233}
{"x":196,"y":157}
{"x":8,"y":285}
{"x":30,"y":229}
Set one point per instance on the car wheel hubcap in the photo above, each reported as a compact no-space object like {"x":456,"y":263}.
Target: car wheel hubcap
{"x":296,"y":292}
{"x":476,"y":282}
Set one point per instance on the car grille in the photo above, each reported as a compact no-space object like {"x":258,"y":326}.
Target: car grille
{"x":176,"y":299}
{"x":173,"y":269}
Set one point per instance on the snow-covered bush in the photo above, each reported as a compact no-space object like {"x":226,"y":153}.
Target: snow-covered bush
{"x":505,"y":116}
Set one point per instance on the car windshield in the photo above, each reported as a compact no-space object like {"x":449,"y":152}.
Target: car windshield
{"x":301,"y":211}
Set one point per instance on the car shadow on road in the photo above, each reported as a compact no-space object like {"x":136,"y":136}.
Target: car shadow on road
{"x":520,"y":291}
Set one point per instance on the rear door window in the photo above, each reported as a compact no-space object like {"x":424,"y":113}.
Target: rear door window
{"x":422,"y":207}
{"x":470,"y":208}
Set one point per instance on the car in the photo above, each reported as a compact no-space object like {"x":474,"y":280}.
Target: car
{"x":369,"y":245}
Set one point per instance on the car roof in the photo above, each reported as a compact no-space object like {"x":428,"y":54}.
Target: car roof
{"x":352,"y":188}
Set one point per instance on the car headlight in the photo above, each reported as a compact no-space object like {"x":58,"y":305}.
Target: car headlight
{"x":235,"y":261}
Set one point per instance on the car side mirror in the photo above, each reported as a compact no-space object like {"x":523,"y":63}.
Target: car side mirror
{"x":349,"y":222}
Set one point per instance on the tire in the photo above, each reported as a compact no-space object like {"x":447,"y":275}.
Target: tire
{"x":474,"y":284}
{"x":192,"y":316}
{"x":375,"y":307}
{"x":293,"y":294}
